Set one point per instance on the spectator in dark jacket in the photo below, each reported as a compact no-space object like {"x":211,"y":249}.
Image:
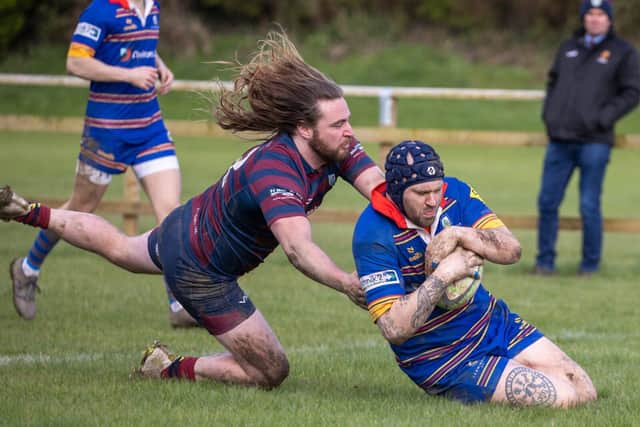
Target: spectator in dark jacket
{"x":594,"y":81}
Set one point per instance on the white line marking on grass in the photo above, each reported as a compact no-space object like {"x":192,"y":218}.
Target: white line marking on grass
{"x":45,"y":359}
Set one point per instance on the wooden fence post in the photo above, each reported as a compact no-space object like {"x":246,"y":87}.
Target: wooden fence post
{"x":131,"y":198}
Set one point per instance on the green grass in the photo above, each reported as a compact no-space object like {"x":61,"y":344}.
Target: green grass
{"x":70,"y":365}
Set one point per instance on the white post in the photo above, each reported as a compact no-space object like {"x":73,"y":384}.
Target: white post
{"x":386,"y":108}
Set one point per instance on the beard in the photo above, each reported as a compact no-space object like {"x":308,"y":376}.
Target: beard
{"x":329,"y":155}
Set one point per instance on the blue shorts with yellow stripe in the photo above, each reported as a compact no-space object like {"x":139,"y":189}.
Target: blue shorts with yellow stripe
{"x":475,"y":379}
{"x":112,"y":154}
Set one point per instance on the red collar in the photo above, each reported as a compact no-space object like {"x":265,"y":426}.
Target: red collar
{"x":123,"y":3}
{"x":383,"y":205}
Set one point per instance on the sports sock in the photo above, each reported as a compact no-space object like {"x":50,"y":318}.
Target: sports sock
{"x":44,"y":243}
{"x":174,"y":304}
{"x":38,"y":216}
{"x":182,"y":367}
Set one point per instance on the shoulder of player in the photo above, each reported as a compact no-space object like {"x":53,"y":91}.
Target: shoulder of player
{"x":455,"y":186}
{"x":371,"y":226}
{"x":276,"y":155}
{"x":101,"y":11}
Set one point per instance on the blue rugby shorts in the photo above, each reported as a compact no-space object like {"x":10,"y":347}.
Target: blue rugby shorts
{"x":217,"y":304}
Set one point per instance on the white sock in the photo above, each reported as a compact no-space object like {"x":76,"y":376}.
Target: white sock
{"x":175,"y":306}
{"x":28,"y":270}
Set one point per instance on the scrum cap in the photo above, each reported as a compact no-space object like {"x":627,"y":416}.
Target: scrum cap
{"x":409,"y":163}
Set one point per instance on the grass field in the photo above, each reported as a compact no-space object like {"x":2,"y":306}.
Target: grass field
{"x":70,"y":365}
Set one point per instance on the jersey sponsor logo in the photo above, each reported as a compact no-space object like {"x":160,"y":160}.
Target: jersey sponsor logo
{"x":87,"y":30}
{"x":277,"y":193}
{"x":474,"y":195}
{"x":126,"y":54}
{"x":379,"y":278}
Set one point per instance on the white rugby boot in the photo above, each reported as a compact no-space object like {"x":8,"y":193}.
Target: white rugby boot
{"x":24,"y":290}
{"x":155,"y":359}
{"x":11,"y":204}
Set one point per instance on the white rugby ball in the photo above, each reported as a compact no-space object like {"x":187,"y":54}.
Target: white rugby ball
{"x":459,"y":293}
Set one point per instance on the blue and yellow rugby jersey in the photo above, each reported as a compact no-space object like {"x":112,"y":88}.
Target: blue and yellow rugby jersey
{"x":389,"y":254}
{"x":113,"y":33}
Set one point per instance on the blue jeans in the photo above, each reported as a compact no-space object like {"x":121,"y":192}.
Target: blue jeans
{"x":560,"y":160}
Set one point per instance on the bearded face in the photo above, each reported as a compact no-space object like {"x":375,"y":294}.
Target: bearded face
{"x":332,"y":133}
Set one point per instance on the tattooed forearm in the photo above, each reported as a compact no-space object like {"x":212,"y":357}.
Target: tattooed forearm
{"x":527,"y":387}
{"x":490,"y":237}
{"x":411,"y":311}
{"x":388,"y":327}
{"x":497,"y":245}
{"x":428,"y":295}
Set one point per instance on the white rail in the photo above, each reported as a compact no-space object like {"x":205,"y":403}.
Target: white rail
{"x":387,"y":95}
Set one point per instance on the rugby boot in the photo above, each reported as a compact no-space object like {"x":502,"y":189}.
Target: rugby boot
{"x":182,"y":319}
{"x":24,"y":290}
{"x":155,"y":359}
{"x":11,"y":204}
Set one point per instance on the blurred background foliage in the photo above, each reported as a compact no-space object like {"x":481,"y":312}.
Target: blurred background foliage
{"x":190,"y":25}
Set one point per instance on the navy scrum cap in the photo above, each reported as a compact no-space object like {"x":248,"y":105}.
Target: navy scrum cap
{"x":605,"y":5}
{"x":409,"y":163}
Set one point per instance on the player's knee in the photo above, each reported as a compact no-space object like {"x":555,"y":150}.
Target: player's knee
{"x":588,"y":393}
{"x":577,"y":395}
{"x":276,"y":372}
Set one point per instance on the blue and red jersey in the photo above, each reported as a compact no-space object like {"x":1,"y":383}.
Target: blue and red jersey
{"x":228,"y":226}
{"x":116,"y":34}
{"x":389,"y":253}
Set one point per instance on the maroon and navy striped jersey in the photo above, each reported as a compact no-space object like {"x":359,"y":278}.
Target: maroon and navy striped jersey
{"x":228,"y":226}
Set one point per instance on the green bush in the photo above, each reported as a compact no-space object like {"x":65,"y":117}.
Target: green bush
{"x":196,"y":21}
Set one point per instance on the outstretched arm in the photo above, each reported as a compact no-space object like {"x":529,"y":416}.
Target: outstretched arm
{"x":368,"y":180}
{"x":410,"y":312}
{"x":294,"y":235}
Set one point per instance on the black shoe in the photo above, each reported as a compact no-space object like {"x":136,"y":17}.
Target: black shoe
{"x":538,"y":270}
{"x":585,"y":274}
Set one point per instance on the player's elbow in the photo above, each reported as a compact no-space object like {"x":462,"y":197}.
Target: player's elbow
{"x":397,"y":339}
{"x":392,"y":331}
{"x":72,"y":65}
{"x":513,"y":252}
{"x":293,"y":253}
{"x":509,"y":252}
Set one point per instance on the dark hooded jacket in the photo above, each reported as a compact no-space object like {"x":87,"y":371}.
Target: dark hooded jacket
{"x":589,"y":89}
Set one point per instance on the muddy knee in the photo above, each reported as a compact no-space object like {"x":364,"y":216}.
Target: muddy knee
{"x":275,"y":372}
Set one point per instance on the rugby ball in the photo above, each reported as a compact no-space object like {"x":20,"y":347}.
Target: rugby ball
{"x":459,"y":293}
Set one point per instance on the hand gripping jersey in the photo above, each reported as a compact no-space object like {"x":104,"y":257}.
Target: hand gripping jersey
{"x":389,"y":254}
{"x":227,"y":226}
{"x":118,"y":35}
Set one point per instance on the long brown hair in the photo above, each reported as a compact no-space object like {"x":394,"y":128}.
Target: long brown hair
{"x":275,"y":91}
